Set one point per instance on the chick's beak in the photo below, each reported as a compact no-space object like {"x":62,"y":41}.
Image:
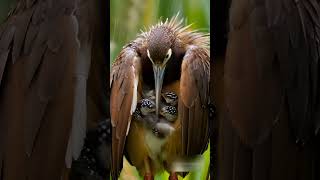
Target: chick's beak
{"x":158,"y":71}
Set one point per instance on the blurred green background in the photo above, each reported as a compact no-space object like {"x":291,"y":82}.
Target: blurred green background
{"x":128,"y":17}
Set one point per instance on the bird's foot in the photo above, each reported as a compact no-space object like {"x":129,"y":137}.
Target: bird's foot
{"x":148,"y":176}
{"x":173,"y":176}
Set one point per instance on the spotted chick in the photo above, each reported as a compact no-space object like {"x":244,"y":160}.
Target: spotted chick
{"x":170,"y":98}
{"x":147,"y":106}
{"x":145,"y":113}
{"x":137,"y":115}
{"x":160,"y":126}
{"x":169,"y":112}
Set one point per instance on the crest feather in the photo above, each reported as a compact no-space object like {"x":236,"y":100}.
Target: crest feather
{"x":184,"y":33}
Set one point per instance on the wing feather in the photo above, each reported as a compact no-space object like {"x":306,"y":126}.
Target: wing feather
{"x":124,"y":83}
{"x":193,"y":100}
{"x":272,"y":58}
{"x":39,"y":57}
{"x":301,"y":63}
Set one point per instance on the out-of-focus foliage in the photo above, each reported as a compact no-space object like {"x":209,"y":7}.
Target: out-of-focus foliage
{"x":5,"y":6}
{"x":128,"y":17}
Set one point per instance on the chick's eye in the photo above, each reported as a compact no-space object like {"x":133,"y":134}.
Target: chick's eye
{"x":167,"y":56}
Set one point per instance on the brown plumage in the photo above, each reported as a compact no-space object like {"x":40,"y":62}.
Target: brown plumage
{"x":167,"y":58}
{"x":269,"y":116}
{"x":52,"y":84}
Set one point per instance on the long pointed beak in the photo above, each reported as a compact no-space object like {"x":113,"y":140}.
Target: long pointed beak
{"x":158,"y":71}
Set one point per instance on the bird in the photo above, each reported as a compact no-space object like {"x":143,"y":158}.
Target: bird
{"x":145,"y":114}
{"x":147,"y":106}
{"x":268,"y":95}
{"x":54,"y":85}
{"x":171,"y":98}
{"x":167,"y":57}
{"x":170,"y":113}
{"x":156,"y":129}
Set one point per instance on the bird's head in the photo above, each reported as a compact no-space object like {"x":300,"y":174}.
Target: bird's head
{"x":159,"y":44}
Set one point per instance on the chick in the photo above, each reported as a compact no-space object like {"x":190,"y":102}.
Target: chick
{"x":160,"y":126}
{"x":147,"y":106}
{"x":170,"y":113}
{"x":137,"y":115}
{"x":170,"y":98}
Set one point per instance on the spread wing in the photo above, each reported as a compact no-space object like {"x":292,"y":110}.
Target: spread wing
{"x":272,"y":60}
{"x":45,"y":56}
{"x":124,"y":83}
{"x":193,"y":100}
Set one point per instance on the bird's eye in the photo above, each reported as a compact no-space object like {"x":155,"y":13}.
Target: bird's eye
{"x":168,"y":55}
{"x":148,"y":54}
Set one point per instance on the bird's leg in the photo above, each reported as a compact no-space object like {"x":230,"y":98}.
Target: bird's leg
{"x":148,"y":174}
{"x":173,"y":176}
